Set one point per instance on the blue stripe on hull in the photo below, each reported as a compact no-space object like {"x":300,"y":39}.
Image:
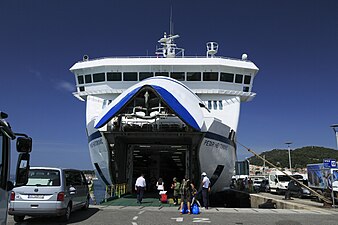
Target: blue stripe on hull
{"x":179,"y":109}
{"x":99,"y":171}
{"x":167,"y":97}
{"x":93,"y":136}
{"x":111,"y":113}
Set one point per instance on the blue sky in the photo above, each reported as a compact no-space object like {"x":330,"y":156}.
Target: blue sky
{"x":294,"y":43}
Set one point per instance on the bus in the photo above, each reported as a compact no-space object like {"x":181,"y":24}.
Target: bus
{"x":23,"y":147}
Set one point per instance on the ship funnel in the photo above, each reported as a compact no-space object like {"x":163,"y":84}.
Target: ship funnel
{"x":212,"y":48}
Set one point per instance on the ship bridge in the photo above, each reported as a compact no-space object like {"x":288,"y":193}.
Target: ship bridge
{"x":204,"y":76}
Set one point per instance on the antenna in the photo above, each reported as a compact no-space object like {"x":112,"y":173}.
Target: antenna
{"x":171,"y":25}
{"x":168,"y":47}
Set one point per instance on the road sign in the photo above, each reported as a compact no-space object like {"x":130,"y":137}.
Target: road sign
{"x":326,"y":163}
{"x":330,"y":163}
{"x":333,"y":163}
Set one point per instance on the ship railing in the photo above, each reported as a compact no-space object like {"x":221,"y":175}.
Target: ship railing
{"x":153,"y":57}
{"x":115,"y":191}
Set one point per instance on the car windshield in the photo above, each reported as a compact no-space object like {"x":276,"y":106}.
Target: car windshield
{"x":41,"y":177}
{"x":298,"y":177}
{"x":283,"y":178}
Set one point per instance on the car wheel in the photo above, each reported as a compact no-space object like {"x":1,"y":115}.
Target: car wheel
{"x":300,"y":194}
{"x":66,"y":216}
{"x":86,"y":205}
{"x":19,"y":218}
{"x":319,"y":199}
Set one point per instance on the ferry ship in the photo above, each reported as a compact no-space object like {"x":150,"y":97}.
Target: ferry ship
{"x":165,"y":116}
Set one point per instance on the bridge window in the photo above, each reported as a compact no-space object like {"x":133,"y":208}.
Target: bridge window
{"x":247,"y":79}
{"x":239,"y":78}
{"x":130,"y":76}
{"x":215,"y":105}
{"x":227,"y":77}
{"x":164,"y":74}
{"x":178,"y":76}
{"x":220,"y":105}
{"x":246,"y":89}
{"x":88,"y":78}
{"x":210,"y":76}
{"x":145,"y":75}
{"x":82,"y":88}
{"x":114,"y":76}
{"x":193,"y":76}
{"x":80,"y":79}
{"x":99,"y":77}
{"x":209,"y":104}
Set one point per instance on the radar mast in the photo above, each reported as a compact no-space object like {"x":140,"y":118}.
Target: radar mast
{"x":169,"y":49}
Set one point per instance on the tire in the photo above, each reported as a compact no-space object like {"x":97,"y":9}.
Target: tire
{"x":19,"y":218}
{"x":66,"y":216}
{"x":86,"y":205}
{"x":319,"y":199}
{"x":300,"y":194}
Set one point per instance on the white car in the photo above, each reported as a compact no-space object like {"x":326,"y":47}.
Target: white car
{"x":50,"y":192}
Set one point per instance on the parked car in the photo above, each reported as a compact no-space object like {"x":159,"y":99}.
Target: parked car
{"x":50,"y":192}
{"x":264,"y":186}
{"x":297,"y":190}
{"x":257,"y":180}
{"x":278,"y":181}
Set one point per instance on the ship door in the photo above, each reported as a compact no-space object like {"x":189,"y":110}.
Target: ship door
{"x":159,"y":161}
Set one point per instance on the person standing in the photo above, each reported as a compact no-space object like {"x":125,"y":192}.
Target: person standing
{"x":205,"y":190}
{"x":185,"y":195}
{"x":160,"y":187}
{"x":91,"y":190}
{"x":194,"y":196}
{"x":287,"y":192}
{"x":176,"y":187}
{"x":140,"y":186}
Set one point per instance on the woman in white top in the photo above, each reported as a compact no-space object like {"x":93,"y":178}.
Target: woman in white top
{"x":160,"y":186}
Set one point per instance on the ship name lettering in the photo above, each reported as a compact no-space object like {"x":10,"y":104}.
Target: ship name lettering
{"x":215,"y":144}
{"x":96,"y":143}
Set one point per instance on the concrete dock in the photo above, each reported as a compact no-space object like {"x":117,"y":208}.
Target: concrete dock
{"x":281,"y":203}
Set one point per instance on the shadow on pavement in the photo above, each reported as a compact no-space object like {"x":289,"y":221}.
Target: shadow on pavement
{"x":75,"y":217}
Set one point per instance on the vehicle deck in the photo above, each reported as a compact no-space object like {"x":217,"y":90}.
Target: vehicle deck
{"x":130,"y":200}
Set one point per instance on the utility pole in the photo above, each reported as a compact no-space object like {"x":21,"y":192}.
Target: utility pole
{"x":289,"y":143}
{"x":335,"y":130}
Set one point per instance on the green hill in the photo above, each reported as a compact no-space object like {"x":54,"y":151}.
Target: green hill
{"x":300,"y":157}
